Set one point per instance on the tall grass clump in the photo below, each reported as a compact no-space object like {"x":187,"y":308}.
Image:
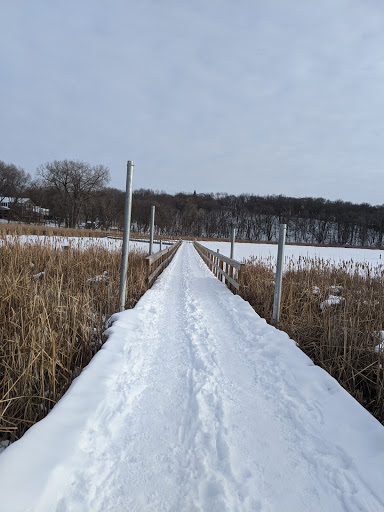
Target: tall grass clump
{"x":334,"y":313}
{"x":54,"y":305}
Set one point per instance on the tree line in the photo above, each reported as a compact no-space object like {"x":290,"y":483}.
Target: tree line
{"x":77,"y":193}
{"x":309,"y":220}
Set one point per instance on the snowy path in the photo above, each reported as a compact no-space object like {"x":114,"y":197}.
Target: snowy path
{"x":195,"y":403}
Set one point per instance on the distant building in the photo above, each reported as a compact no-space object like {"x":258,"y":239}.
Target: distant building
{"x":4,"y":211}
{"x":10,"y":202}
{"x":23,"y":208}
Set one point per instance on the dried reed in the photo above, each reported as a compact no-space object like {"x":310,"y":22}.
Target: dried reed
{"x":343,"y":334}
{"x":53,"y":308}
{"x":13,"y":228}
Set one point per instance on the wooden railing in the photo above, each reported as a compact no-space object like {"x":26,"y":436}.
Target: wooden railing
{"x":157,"y":262}
{"x":225,"y":269}
{"x":117,"y":236}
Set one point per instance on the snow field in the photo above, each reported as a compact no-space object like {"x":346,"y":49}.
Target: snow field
{"x":81,"y":242}
{"x":335,"y":255}
{"x":195,"y":403}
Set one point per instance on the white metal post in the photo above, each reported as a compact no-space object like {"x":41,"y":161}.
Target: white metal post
{"x":233,"y":243}
{"x":279,"y":275}
{"x":152,"y":229}
{"x":127,"y":229}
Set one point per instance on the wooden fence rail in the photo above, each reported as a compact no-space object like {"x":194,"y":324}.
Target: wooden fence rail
{"x":157,"y":262}
{"x":146,"y":240}
{"x":225,"y":269}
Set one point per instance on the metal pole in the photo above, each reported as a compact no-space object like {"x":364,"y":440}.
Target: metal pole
{"x":161,"y":245}
{"x":152,"y":229}
{"x":233,"y":243}
{"x":127,"y":228}
{"x":279,"y":275}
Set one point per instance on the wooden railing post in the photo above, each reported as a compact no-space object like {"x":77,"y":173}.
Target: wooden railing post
{"x":224,"y":268}
{"x":240,"y":279}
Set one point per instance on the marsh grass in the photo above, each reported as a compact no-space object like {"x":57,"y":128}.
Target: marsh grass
{"x":16,"y":229}
{"x":54,"y":305}
{"x":344,"y":338}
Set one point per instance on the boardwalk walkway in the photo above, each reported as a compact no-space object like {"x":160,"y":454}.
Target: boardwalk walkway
{"x":196,"y":404}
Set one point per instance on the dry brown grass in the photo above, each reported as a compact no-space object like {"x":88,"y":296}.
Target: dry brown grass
{"x":16,"y":229}
{"x":52,"y":323}
{"x":342,"y":338}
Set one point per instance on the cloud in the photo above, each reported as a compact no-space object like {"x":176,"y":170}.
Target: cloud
{"x":262,"y":97}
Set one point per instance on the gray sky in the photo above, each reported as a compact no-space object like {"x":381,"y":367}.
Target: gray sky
{"x":255,"y":96}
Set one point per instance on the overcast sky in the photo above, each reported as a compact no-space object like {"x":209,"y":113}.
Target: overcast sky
{"x":256,"y":96}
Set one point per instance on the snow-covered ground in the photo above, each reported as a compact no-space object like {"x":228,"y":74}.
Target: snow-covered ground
{"x":196,"y":404}
{"x":81,"y":242}
{"x":335,"y":255}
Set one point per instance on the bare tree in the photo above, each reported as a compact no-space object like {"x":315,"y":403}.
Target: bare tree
{"x":13,"y":181}
{"x":110,"y":207}
{"x":74,"y":183}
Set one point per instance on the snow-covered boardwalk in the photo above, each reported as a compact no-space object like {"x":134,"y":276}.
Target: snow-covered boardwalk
{"x":196,"y":404}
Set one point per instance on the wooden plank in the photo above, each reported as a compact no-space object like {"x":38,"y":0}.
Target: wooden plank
{"x":158,"y":261}
{"x":227,"y":276}
{"x":159,"y":268}
{"x":218,"y":271}
{"x":215,"y":262}
{"x":207,"y":260}
{"x":161,"y":264}
{"x":234,"y":263}
{"x":157,"y":255}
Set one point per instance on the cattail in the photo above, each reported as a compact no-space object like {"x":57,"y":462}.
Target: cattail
{"x":51,"y":326}
{"x":339,"y":337}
